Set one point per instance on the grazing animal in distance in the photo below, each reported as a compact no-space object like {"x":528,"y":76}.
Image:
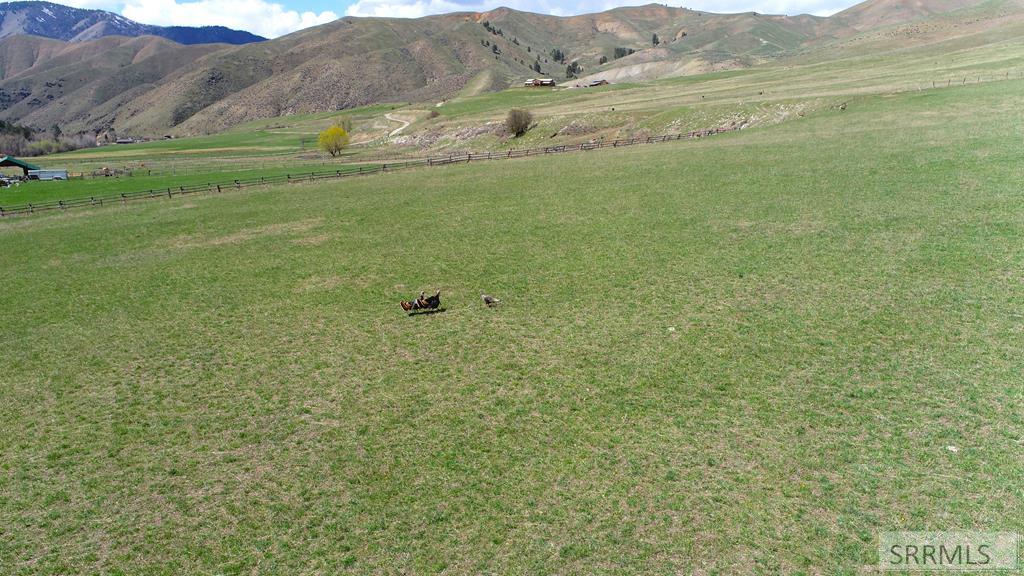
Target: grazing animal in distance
{"x":489,"y":300}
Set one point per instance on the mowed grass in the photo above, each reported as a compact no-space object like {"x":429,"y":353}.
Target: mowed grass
{"x":746,"y":354}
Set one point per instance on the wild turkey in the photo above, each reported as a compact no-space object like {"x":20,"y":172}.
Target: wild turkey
{"x":433,"y":302}
{"x":422,"y":303}
{"x":415,"y":304}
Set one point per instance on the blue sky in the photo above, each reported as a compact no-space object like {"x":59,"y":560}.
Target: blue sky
{"x":274,"y":18}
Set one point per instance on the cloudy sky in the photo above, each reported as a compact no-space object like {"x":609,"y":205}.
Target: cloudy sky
{"x":274,"y":18}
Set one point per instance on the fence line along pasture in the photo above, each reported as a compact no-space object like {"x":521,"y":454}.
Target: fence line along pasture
{"x":172,"y":191}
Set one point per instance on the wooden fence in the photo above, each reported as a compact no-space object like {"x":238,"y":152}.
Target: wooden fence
{"x":172,"y":191}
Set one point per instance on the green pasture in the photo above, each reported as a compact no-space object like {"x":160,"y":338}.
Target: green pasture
{"x":35,"y":192}
{"x":746,"y":354}
{"x":275,"y":138}
{"x":797,"y":86}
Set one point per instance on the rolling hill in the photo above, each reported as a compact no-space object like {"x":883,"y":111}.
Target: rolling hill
{"x":148,"y":85}
{"x":61,"y":22}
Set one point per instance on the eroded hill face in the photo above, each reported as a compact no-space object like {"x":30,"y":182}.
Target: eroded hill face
{"x":151,"y":86}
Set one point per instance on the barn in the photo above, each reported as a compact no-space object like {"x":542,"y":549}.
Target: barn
{"x":539,"y":82}
{"x":12,"y":162}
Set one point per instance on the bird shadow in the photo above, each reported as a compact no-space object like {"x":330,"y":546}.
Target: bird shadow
{"x":427,"y":312}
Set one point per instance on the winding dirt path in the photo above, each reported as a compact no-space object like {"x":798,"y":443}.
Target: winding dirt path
{"x":397,"y":131}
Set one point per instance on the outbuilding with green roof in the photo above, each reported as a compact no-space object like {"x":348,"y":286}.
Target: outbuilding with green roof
{"x":12,"y":162}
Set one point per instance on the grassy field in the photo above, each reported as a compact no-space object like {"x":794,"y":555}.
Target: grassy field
{"x":274,"y":138}
{"x":37,"y":192}
{"x":746,"y":354}
{"x":886,"y":62}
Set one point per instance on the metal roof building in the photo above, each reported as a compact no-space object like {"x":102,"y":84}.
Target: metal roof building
{"x":11,"y":161}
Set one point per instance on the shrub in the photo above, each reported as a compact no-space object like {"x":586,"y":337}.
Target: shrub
{"x":623,"y":52}
{"x":333,"y":140}
{"x":518,"y":121}
{"x":16,"y":144}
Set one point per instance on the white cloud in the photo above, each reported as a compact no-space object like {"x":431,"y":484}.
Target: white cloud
{"x":257,"y":16}
{"x":417,"y":8}
{"x":109,"y":5}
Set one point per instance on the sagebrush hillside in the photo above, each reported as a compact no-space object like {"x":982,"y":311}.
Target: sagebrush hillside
{"x":149,"y":86}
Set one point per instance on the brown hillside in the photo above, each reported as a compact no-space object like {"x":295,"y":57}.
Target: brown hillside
{"x":150,"y":86}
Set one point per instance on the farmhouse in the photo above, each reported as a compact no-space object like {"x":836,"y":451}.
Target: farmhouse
{"x":12,"y":162}
{"x":539,"y":82}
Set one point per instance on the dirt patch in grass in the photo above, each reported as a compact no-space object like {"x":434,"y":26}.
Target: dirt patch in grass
{"x":312,"y":240}
{"x":246,"y":234}
{"x":319,"y":283}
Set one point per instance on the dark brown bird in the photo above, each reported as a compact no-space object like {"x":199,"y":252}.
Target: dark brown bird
{"x":432,"y":302}
{"x":415,"y":304}
{"x":489,"y":300}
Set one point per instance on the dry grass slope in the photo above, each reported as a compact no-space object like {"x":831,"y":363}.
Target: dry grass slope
{"x":145,"y":86}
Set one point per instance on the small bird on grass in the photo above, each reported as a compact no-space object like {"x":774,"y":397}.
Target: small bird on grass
{"x":489,"y":300}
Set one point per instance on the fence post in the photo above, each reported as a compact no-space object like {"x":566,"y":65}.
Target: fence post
{"x":123,"y":199}
{"x":168,"y":192}
{"x":31,"y":210}
{"x":2,"y":212}
{"x":218,"y":188}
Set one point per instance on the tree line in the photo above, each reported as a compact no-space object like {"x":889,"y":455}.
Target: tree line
{"x":16,"y":140}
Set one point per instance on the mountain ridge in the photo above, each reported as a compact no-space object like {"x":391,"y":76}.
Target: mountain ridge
{"x":146,"y":87}
{"x":59,"y":22}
